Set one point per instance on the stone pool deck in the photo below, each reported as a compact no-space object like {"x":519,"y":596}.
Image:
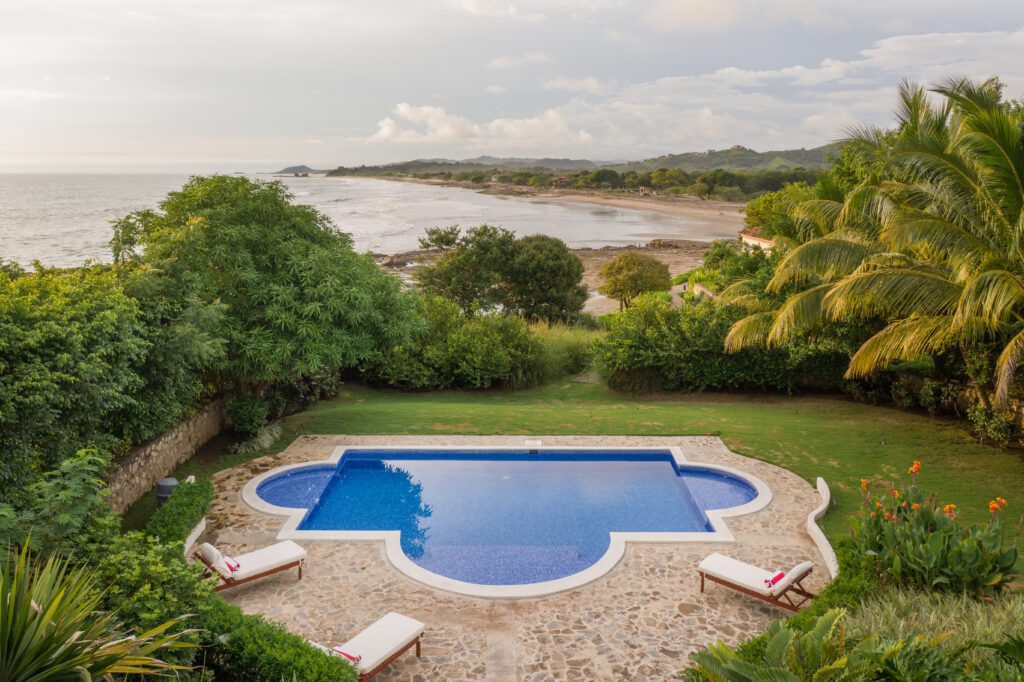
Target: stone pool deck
{"x":641,"y":621}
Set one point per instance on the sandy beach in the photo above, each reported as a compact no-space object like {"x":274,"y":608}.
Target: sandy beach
{"x":727,"y":215}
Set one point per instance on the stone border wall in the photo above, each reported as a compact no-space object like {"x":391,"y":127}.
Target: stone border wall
{"x":135,"y":474}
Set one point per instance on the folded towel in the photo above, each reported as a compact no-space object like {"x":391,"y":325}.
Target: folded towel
{"x":355,"y":658}
{"x":232,"y":564}
{"x":771,"y":582}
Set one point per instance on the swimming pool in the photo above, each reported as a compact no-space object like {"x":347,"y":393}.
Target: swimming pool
{"x":506,"y":518}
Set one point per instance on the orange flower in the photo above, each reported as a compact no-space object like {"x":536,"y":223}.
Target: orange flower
{"x":872,"y":514}
{"x":915,"y":506}
{"x":915,"y":468}
{"x":950,"y":510}
{"x":895,"y":493}
{"x":888,"y":516}
{"x":904,"y":503}
{"x":993,"y":507}
{"x":878,"y":504}
{"x":864,"y":483}
{"x":1001,"y":501}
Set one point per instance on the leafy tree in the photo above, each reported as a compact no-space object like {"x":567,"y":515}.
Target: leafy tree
{"x":543,"y":280}
{"x":298,"y":299}
{"x":488,"y":267}
{"x":470,"y":268}
{"x":53,"y":629}
{"x":632,"y":274}
{"x":70,"y":342}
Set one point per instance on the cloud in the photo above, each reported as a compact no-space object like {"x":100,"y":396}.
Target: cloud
{"x":513,"y":61}
{"x":798,"y":105}
{"x":29,"y":94}
{"x":498,"y":10}
{"x":429,"y":124}
{"x":672,"y":15}
{"x":588,"y":85}
{"x":495,"y":89}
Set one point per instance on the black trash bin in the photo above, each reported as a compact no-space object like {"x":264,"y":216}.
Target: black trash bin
{"x":164,"y":488}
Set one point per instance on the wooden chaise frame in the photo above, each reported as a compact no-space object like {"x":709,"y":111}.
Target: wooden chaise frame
{"x":783,"y":599}
{"x":369,"y":675}
{"x":231,"y":582}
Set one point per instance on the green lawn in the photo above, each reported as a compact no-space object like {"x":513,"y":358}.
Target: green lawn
{"x":839,"y":439}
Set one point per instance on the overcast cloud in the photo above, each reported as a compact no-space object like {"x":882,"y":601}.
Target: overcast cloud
{"x":207,"y":85}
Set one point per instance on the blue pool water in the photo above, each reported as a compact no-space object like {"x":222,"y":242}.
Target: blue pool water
{"x":505,"y":517}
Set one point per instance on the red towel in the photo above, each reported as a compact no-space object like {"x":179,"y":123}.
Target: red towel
{"x":355,"y":658}
{"x":232,"y":564}
{"x":771,"y":582}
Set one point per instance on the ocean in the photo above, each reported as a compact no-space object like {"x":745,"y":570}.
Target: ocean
{"x":64,"y":220}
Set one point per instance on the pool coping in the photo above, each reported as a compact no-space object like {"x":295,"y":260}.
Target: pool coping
{"x":616,"y":547}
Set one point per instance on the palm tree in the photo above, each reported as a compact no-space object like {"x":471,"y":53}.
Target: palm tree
{"x":931,"y":242}
{"x":50,"y":629}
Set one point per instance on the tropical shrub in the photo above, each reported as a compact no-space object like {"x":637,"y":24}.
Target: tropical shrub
{"x":53,"y":626}
{"x":493,"y":350}
{"x":61,"y":506}
{"x":822,"y":652}
{"x":186,"y":507}
{"x":653,"y":345}
{"x":248,"y":414}
{"x":632,"y":274}
{"x":453,"y":350}
{"x":241,"y":648}
{"x":920,"y":543}
{"x":70,"y":342}
{"x":991,"y":425}
{"x":147,"y":582}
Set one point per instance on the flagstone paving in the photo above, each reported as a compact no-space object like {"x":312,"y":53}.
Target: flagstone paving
{"x":641,"y":621}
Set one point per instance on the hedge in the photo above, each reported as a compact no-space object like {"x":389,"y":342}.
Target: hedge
{"x":183,"y":510}
{"x":241,"y":648}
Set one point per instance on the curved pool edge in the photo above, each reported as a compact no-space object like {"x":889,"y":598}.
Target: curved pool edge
{"x":608,"y":561}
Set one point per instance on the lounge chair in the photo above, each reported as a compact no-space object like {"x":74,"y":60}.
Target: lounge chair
{"x":751,"y":580}
{"x":252,"y":566}
{"x":376,"y":647}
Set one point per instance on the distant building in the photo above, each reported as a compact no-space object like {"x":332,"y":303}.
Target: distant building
{"x":753,"y":237}
{"x":560,"y":182}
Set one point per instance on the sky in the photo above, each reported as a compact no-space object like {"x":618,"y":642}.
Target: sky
{"x":253,"y":85}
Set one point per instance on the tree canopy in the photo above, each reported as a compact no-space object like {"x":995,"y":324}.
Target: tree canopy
{"x":298,"y":300}
{"x":632,"y":274}
{"x":487,"y":267}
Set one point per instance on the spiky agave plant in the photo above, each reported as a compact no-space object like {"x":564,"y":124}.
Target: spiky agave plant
{"x":932,"y":242}
{"x":51,"y":630}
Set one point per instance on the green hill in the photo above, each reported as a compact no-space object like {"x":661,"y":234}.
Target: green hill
{"x":736,"y":158}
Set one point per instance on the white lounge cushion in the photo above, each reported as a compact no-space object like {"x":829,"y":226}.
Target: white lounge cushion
{"x":751,"y":577}
{"x":212,"y":556}
{"x":382,"y":640}
{"x":267,"y":559}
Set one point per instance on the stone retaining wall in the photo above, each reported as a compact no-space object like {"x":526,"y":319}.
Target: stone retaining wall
{"x":135,"y":474}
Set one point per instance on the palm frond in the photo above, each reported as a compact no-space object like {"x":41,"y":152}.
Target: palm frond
{"x":893,"y":292}
{"x":906,"y":339}
{"x":1006,"y":368}
{"x":750,"y":332}
{"x":991,"y":296}
{"x":826,"y":259}
{"x":801,"y":311}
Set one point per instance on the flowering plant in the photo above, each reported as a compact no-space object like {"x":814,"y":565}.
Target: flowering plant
{"x":921,"y":543}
